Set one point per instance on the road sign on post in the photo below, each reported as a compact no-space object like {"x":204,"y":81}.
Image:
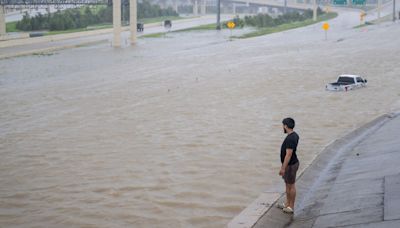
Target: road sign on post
{"x":231,"y":24}
{"x":362,"y":17}
{"x":325,"y":26}
{"x":358,"y":2}
{"x":340,"y":2}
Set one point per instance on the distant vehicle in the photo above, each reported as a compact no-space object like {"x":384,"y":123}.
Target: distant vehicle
{"x":140,"y":27}
{"x":167,"y":24}
{"x":346,"y":82}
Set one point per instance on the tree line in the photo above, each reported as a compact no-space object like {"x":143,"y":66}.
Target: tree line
{"x":265,"y":20}
{"x":83,"y":17}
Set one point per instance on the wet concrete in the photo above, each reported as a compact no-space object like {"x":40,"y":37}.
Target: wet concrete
{"x":354,"y":182}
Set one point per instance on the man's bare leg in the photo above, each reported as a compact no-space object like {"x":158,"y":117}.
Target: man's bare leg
{"x":291,"y":194}
{"x":287,"y":203}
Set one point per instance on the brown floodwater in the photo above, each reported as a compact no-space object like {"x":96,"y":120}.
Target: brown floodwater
{"x":181,"y":131}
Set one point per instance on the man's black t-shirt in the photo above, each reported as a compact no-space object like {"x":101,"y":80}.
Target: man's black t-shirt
{"x":290,"y":142}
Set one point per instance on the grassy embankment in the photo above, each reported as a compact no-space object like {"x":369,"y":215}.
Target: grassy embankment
{"x":162,"y":34}
{"x":259,"y":31}
{"x":11,"y":26}
{"x":287,"y":26}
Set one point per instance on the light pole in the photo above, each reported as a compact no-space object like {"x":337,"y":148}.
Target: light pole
{"x":285,"y":5}
{"x":394,"y":10}
{"x":218,"y":14}
{"x":314,"y":10}
{"x":379,"y":9}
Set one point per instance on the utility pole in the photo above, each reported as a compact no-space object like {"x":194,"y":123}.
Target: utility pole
{"x":394,"y":10}
{"x":218,"y":14}
{"x":285,"y":5}
{"x":379,"y":10}
{"x":315,"y":10}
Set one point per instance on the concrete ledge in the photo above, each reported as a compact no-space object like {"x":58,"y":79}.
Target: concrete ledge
{"x":11,"y":36}
{"x":51,"y":49}
{"x":52,"y":38}
{"x":308,"y":179}
{"x":392,"y":197}
{"x":249,"y":216}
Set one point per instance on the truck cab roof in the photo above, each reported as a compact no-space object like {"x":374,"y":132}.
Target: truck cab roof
{"x":349,"y":75}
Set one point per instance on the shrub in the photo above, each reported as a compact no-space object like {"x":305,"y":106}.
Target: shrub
{"x":81,"y":18}
{"x":265,"y":20}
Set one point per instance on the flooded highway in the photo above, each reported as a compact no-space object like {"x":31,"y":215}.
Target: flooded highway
{"x":180,"y":131}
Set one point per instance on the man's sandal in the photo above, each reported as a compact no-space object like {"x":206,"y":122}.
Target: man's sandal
{"x":281,"y":205}
{"x":288,"y":210}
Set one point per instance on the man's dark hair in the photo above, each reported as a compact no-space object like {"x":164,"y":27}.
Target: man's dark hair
{"x":289,"y":122}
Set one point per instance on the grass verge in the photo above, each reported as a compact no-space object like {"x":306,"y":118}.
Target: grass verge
{"x":105,"y":26}
{"x":160,"y":19}
{"x":12,"y":27}
{"x":197,"y":28}
{"x":200,"y":27}
{"x":155,"y":35}
{"x":288,"y":26}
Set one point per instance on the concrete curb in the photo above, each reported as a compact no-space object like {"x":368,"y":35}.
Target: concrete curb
{"x":251,"y":214}
{"x":264,"y":206}
{"x":51,"y":49}
{"x":52,"y":38}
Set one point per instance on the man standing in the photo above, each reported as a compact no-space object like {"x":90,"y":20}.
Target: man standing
{"x":290,"y":164}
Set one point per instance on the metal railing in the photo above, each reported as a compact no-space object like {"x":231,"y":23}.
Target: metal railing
{"x":54,"y":2}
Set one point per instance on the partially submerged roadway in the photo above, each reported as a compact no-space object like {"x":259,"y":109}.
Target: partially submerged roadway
{"x":27,"y":46}
{"x":355,"y":182}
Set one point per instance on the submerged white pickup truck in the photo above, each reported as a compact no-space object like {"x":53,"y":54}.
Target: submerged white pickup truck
{"x":346,"y":82}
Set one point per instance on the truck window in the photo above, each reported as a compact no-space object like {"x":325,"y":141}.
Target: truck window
{"x":359,"y":79}
{"x":347,"y":80}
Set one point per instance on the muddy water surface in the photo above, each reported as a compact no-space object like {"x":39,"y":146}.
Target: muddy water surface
{"x":182,"y":131}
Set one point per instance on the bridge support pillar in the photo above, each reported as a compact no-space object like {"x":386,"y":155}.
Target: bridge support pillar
{"x":133,"y":20}
{"x":2,"y":21}
{"x":315,"y":10}
{"x":176,"y":6}
{"x":117,"y":23}
{"x":203,"y":7}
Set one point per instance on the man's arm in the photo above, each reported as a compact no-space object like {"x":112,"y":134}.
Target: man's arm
{"x":289,"y":153}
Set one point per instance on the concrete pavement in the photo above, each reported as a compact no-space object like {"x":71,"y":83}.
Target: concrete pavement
{"x":354,"y":182}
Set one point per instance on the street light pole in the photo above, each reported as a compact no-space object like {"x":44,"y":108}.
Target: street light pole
{"x":394,"y":10}
{"x":218,"y":14}
{"x":285,"y":5}
{"x":315,"y":10}
{"x":379,"y":10}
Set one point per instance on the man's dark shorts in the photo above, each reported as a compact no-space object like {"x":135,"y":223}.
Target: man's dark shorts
{"x":290,"y":173}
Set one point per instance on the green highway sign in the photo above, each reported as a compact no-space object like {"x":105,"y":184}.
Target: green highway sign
{"x":340,"y":2}
{"x":358,"y":2}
